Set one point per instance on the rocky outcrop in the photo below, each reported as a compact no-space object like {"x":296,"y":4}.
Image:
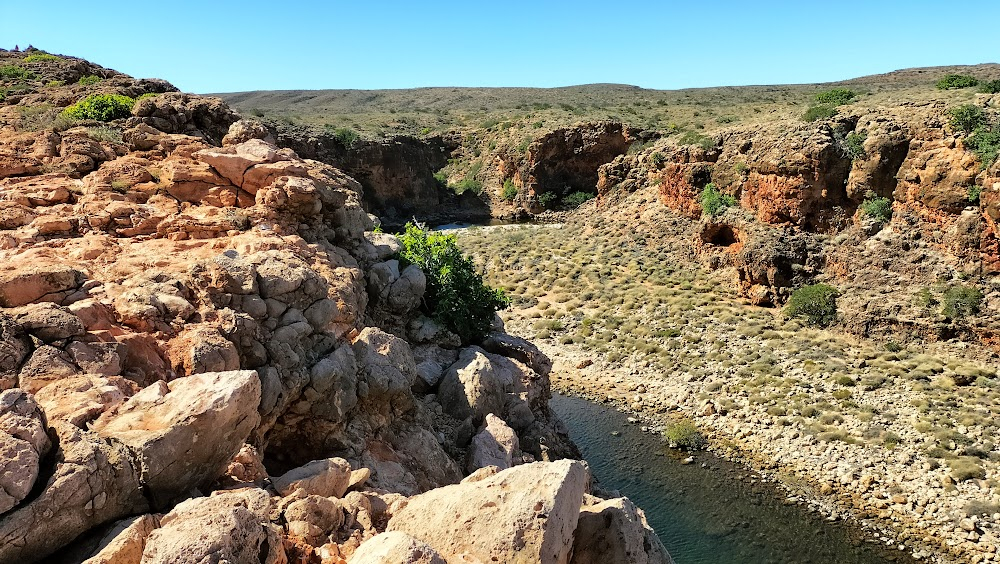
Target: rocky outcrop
{"x":181,"y":320}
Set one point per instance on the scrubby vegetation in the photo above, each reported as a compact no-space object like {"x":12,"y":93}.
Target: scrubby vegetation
{"x":816,"y":113}
{"x":41,"y":57}
{"x":89,"y":80}
{"x":960,"y":302}
{"x":14,"y":72}
{"x":967,"y":118}
{"x":816,"y":303}
{"x":956,"y":81}
{"x":685,"y":435}
{"x":714,"y":202}
{"x":576,"y":199}
{"x":509,"y":191}
{"x":456,"y":295}
{"x":694,"y":138}
{"x":984,"y":142}
{"x":876,"y":207}
{"x":346,"y":136}
{"x":990,"y":87}
{"x":836,"y":96}
{"x":854,"y":145}
{"x":101,"y":107}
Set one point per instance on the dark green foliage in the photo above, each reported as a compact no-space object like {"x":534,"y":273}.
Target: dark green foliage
{"x":509,"y":190}
{"x":990,"y":87}
{"x":345,"y":136}
{"x":576,"y":199}
{"x":967,"y":118}
{"x":836,"y":96}
{"x":658,"y":159}
{"x":985,"y":143}
{"x":854,"y":145}
{"x":823,"y":111}
{"x":816,"y":303}
{"x":40,"y":57}
{"x":101,"y":107}
{"x":961,"y":301}
{"x":546,"y":199}
{"x":14,"y":72}
{"x":714,"y":202}
{"x":685,"y":435}
{"x":89,"y":80}
{"x":468,"y":184}
{"x":693,"y":138}
{"x":456,"y":295}
{"x":876,"y":207}
{"x":973,"y":192}
{"x":957,"y":81}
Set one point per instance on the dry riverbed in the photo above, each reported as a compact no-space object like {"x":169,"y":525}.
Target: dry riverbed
{"x":862,"y":430}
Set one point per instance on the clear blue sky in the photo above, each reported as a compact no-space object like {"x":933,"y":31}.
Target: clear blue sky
{"x":212,"y":46}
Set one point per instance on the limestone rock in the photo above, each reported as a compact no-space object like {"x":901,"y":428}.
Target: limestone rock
{"x":495,"y":445}
{"x":23,"y":443}
{"x":126,"y":541}
{"x":95,"y":481}
{"x":78,"y":400}
{"x":48,"y":322}
{"x":473,"y":386}
{"x":524,"y":514}
{"x":615,"y":531}
{"x":518,"y":349}
{"x":398,"y":548}
{"x":231,"y":526}
{"x":27,"y":284}
{"x":328,"y":477}
{"x":245,"y":130}
{"x":185,"y":433}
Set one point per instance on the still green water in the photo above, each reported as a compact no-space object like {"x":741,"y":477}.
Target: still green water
{"x":711,"y":515}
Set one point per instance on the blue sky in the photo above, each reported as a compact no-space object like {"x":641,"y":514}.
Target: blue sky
{"x":211,"y":46}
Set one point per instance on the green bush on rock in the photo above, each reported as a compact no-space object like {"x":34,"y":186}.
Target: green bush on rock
{"x":967,"y":118}
{"x":836,"y":96}
{"x":714,"y":202}
{"x":961,"y":301}
{"x":101,"y":107}
{"x":957,"y":81}
{"x":456,"y":295}
{"x":685,"y":435}
{"x":816,"y":303}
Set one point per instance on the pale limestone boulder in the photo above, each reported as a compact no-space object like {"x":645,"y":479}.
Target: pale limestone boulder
{"x":187,"y":432}
{"x":245,"y":130}
{"x":231,"y":526}
{"x":314,"y":518}
{"x":232,"y":162}
{"x":23,"y":443}
{"x":615,"y":531}
{"x":329,"y":477}
{"x":48,"y":322}
{"x":525,"y":514}
{"x":495,"y":445}
{"x":15,"y":346}
{"x":96,"y":480}
{"x":519,"y":349}
{"x":78,"y":400}
{"x":386,"y":367}
{"x":126,"y":541}
{"x":395,"y":547}
{"x":474,"y":386}
{"x":22,"y":285}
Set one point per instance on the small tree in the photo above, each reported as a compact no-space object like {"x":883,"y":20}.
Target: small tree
{"x":456,"y":295}
{"x":951,"y":81}
{"x":876,"y":207}
{"x":101,"y":107}
{"x":714,"y":202}
{"x":959,"y":302}
{"x":816,"y":303}
{"x":967,"y":118}
{"x":836,"y":96}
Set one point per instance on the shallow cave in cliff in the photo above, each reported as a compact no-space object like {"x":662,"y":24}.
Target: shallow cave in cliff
{"x":720,"y":235}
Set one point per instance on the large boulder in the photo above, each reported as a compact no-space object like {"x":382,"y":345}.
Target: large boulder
{"x":231,"y":526}
{"x":495,"y":445}
{"x":398,"y":548}
{"x":328,"y":478}
{"x":125,"y":542}
{"x":23,"y":443}
{"x":473,"y":386}
{"x":187,"y":432}
{"x":525,"y":514}
{"x":615,"y":531}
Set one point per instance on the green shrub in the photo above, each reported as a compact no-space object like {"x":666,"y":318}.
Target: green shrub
{"x":973,"y":193}
{"x":957,"y":81}
{"x":966,"y":118}
{"x":854,"y":145}
{"x":714,"y":202}
{"x":456,"y":295}
{"x":40,"y":57}
{"x":990,"y":87}
{"x":819,"y":112}
{"x":101,"y":107}
{"x":468,"y":184}
{"x":658,"y":159}
{"x":693,"y":138}
{"x":14,"y":72}
{"x":55,"y":83}
{"x":685,"y":435}
{"x":576,"y":199}
{"x":836,"y":96}
{"x":966,"y":468}
{"x":985,"y":143}
{"x":961,"y":301}
{"x":816,"y":303}
{"x":345,"y":136}
{"x":89,"y":80}
{"x":509,"y":191}
{"x":876,"y":207}
{"x":146,"y":95}
{"x":546,"y":199}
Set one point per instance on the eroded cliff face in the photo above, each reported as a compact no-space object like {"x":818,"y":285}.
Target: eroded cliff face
{"x":799,"y":188}
{"x":180,"y":317}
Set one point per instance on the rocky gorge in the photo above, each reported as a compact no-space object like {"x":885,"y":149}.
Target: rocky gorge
{"x":209,"y":352}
